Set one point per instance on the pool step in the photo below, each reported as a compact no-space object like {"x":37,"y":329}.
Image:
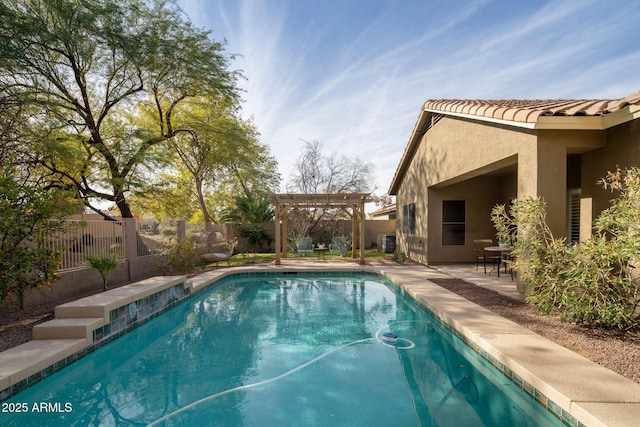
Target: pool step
{"x":68,"y":328}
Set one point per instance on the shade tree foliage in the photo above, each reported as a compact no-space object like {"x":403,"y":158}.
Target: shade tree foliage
{"x":207,"y":168}
{"x":81,"y":67}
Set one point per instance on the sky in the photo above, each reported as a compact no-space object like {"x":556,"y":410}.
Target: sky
{"x":354,"y":74}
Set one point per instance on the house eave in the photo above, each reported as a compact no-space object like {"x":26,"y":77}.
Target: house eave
{"x":600,"y":122}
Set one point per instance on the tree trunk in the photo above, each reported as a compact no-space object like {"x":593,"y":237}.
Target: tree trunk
{"x":123,"y":206}
{"x":203,"y":206}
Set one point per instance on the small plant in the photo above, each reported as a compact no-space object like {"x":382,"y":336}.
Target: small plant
{"x":255,"y":236}
{"x":399,"y":256}
{"x":505,"y":229}
{"x":169,"y":232}
{"x":177,"y":257}
{"x":104,"y":264}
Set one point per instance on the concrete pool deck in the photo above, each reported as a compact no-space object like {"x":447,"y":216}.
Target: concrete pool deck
{"x":576,"y":389}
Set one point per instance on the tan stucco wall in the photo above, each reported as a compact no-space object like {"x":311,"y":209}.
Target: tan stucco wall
{"x":455,"y":152}
{"x":622,"y":149}
{"x":451,"y":157}
{"x":459,"y":149}
{"x":480,"y":195}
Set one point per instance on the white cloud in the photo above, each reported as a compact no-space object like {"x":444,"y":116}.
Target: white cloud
{"x":357,"y":83}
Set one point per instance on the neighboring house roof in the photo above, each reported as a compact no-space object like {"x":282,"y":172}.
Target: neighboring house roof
{"x":385,"y":210}
{"x":594,"y":114}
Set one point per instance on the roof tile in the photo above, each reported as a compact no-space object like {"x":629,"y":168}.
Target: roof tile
{"x":528,"y":111}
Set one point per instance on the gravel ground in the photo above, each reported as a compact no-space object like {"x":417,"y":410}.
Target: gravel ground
{"x":611,"y":349}
{"x":614,"y":350}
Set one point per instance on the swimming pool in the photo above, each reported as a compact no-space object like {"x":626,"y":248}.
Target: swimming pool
{"x":283,"y":349}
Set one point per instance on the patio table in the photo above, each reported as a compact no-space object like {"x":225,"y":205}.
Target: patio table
{"x":321,"y":251}
{"x":503,"y":250}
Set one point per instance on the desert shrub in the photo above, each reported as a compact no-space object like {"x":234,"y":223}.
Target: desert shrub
{"x":399,"y":256}
{"x":591,"y":282}
{"x":177,"y":257}
{"x":169,"y":231}
{"x":29,"y":216}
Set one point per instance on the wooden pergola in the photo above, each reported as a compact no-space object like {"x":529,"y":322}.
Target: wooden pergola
{"x":352,"y":204}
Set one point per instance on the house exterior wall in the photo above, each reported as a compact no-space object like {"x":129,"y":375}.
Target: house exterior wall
{"x":485,"y":164}
{"x":450,"y":164}
{"x":622,"y":149}
{"x":480,"y":195}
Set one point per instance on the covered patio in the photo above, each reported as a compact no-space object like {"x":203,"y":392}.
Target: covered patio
{"x":351,"y":204}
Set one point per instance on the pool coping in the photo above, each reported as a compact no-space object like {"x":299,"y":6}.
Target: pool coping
{"x":577,"y":390}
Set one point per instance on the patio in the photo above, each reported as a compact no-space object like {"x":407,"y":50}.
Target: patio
{"x":503,"y":284}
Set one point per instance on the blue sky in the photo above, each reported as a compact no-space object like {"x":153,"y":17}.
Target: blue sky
{"x":354,"y":74}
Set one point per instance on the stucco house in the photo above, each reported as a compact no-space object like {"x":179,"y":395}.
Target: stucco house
{"x":465,"y":156}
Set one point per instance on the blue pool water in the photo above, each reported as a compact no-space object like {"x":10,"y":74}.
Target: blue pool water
{"x":283,"y":350}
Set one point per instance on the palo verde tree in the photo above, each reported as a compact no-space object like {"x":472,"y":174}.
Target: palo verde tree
{"x":83,"y":67}
{"x":217,"y":159}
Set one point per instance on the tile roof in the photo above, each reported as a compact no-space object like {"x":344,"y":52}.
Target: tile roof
{"x":517,"y":111}
{"x":528,"y":111}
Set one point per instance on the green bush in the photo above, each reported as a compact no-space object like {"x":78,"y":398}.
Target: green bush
{"x":591,"y":282}
{"x":177,"y":257}
{"x":399,"y":256}
{"x":104,"y":264}
{"x":169,"y":231}
{"x":29,"y":215}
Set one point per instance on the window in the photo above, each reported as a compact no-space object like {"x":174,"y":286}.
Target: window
{"x":409,"y":218}
{"x":453,"y":222}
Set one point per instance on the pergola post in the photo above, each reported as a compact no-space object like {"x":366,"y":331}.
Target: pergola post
{"x":354,"y":231}
{"x":285,"y":242}
{"x":362,"y":233}
{"x":278,"y":234}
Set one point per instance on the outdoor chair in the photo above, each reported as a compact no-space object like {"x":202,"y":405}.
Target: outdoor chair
{"x":338,"y":246}
{"x":304,"y":246}
{"x":217,"y":249}
{"x":508,"y":261}
{"x":481,"y":255}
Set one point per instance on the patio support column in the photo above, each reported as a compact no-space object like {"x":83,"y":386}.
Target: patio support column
{"x":542,"y":172}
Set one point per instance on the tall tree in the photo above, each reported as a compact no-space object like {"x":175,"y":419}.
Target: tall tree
{"x":219,"y":158}
{"x":316,"y":173}
{"x":84,"y":65}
